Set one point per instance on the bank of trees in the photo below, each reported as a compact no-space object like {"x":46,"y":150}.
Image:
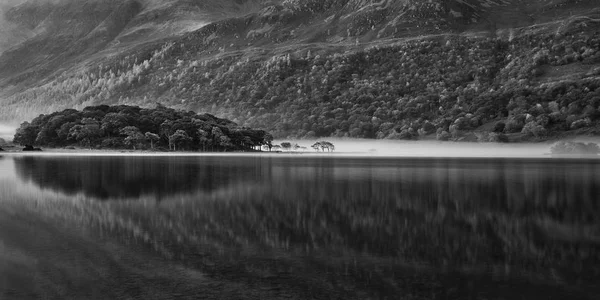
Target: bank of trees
{"x":535,"y":84}
{"x":132,"y":127}
{"x":403,"y":91}
{"x":320,"y":146}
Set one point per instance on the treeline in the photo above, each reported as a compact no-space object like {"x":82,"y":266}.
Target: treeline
{"x":414,"y":89}
{"x":534,"y":84}
{"x":448,"y":86}
{"x":132,"y":127}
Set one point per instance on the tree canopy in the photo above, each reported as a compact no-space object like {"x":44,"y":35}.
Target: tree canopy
{"x":133,"y":127}
{"x":322,"y":145}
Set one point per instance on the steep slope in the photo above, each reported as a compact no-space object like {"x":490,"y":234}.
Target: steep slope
{"x":62,"y":33}
{"x":42,"y":37}
{"x":359,"y":68}
{"x":10,"y":33}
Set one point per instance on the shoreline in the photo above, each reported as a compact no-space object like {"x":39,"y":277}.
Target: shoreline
{"x":351,"y":148}
{"x":337,"y":155}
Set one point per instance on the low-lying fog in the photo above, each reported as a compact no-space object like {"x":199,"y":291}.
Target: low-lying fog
{"x":364,"y":147}
{"x":431,"y":148}
{"x":7,"y":132}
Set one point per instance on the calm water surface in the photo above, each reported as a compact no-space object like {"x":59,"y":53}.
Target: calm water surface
{"x":299,"y":227}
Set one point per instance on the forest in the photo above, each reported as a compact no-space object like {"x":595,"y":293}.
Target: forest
{"x":132,"y":127}
{"x":534,"y":85}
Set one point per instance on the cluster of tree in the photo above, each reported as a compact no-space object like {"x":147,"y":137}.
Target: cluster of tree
{"x":288,"y":146}
{"x":285,"y":146}
{"x":563,"y":147}
{"x":132,"y":127}
{"x":322,"y":145}
{"x":446,"y":86}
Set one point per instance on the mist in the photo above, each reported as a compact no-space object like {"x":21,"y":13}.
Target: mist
{"x":383,"y":148}
{"x":7,"y":132}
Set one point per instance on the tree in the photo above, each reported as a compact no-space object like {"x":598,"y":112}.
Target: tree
{"x":48,"y":134}
{"x":166,"y":128}
{"x":533,"y":129}
{"x":203,"y":138}
{"x":499,"y":127}
{"x":225,"y":141}
{"x":63,"y":131}
{"x":86,"y":132}
{"x":217,"y":135}
{"x":153,"y":138}
{"x":180,"y":138}
{"x":268,"y":141}
{"x":327,"y":145}
{"x":26,"y":134}
{"x":323,"y":145}
{"x":112,"y":123}
{"x":133,"y":136}
{"x":316,"y":146}
{"x":286,"y":146}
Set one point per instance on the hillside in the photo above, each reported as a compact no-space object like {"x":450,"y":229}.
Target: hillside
{"x":43,"y":37}
{"x":309,"y":68}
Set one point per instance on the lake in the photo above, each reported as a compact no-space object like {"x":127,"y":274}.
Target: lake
{"x":298,"y":227}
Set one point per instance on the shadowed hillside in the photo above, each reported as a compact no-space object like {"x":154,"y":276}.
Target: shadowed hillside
{"x":474,"y":70}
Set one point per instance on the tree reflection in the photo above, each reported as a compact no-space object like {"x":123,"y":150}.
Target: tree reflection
{"x":360,"y":220}
{"x":111,"y":178}
{"x":515,"y":187}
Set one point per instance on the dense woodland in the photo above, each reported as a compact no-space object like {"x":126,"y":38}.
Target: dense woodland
{"x":533,"y":83}
{"x":120,"y":127}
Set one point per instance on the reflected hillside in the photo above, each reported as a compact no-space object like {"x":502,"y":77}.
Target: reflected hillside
{"x":356,"y":227}
{"x":112,"y":178}
{"x":516,"y":186}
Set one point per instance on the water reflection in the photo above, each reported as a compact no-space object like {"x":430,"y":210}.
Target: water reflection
{"x":510,"y":185}
{"x":112,"y":178}
{"x":339,"y":222}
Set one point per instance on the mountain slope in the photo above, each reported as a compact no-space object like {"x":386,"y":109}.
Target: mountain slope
{"x":46,"y":36}
{"x":377,"y":69}
{"x":10,"y":33}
